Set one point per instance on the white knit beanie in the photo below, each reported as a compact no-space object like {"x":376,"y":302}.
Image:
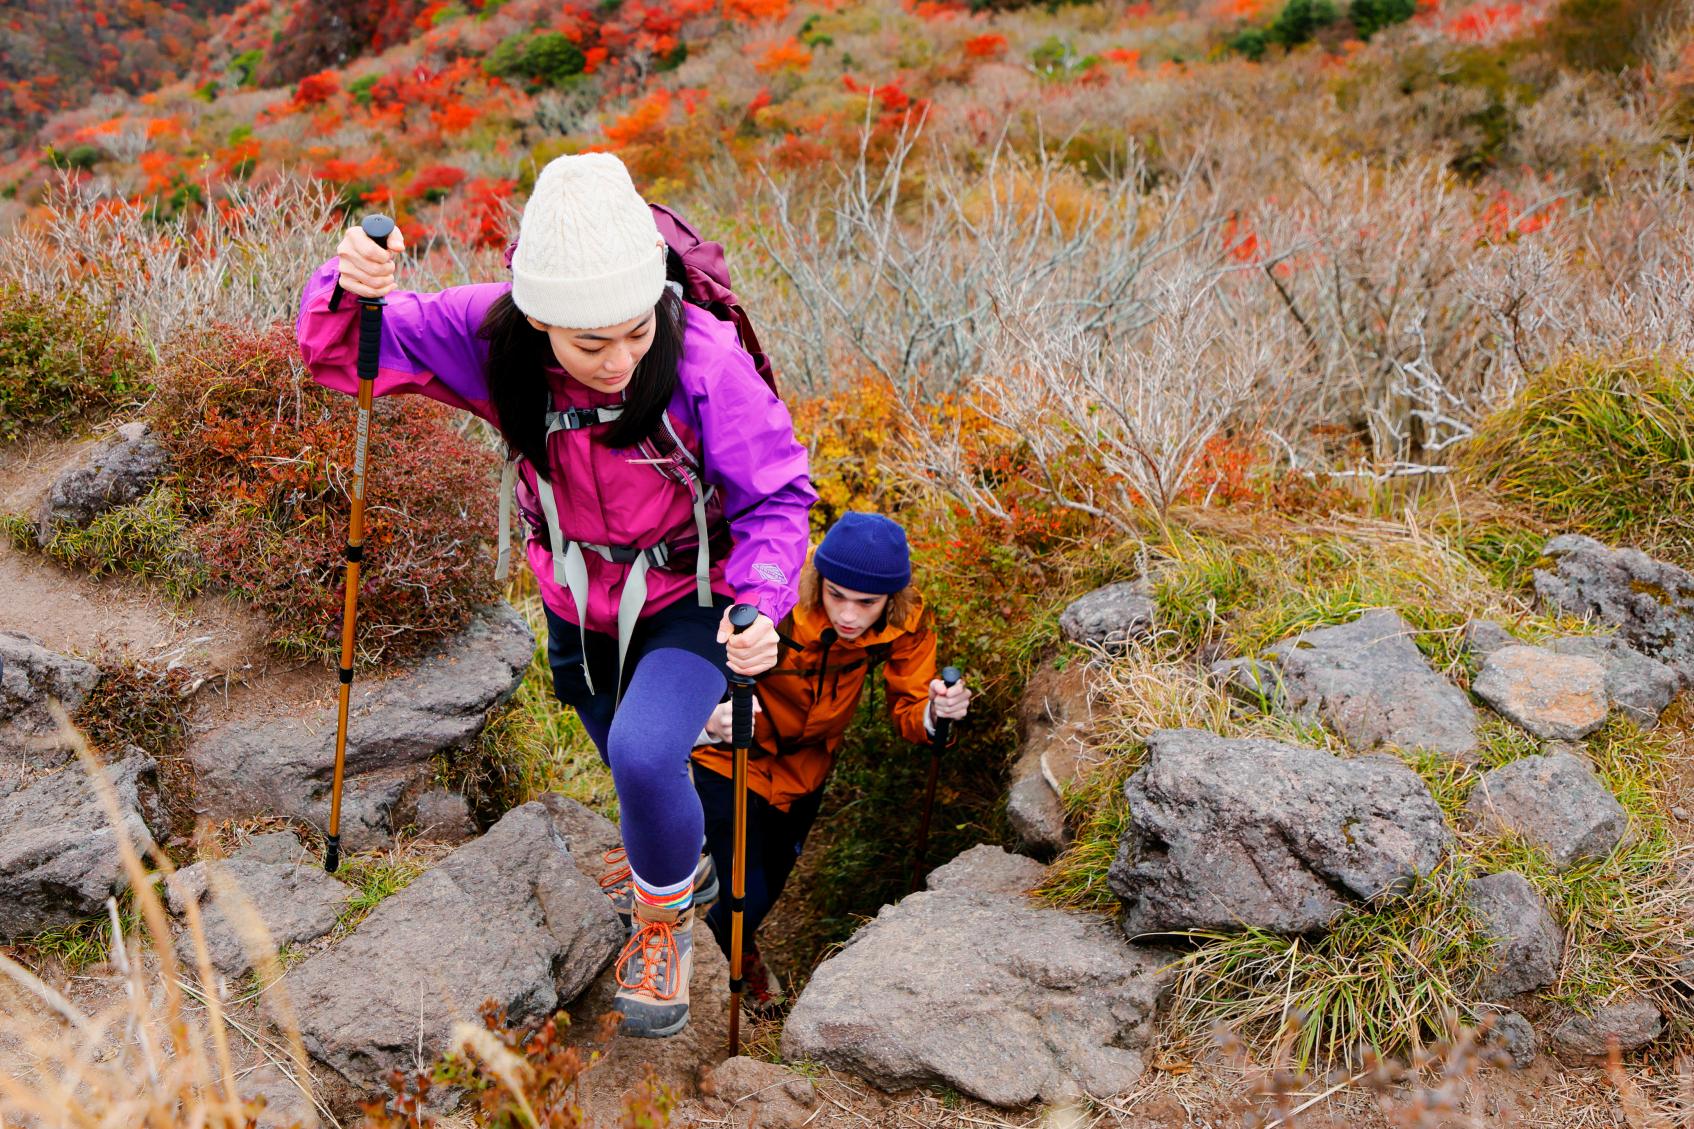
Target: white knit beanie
{"x":589,"y":254}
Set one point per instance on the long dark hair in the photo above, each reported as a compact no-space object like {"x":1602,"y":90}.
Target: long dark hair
{"x":518,"y":353}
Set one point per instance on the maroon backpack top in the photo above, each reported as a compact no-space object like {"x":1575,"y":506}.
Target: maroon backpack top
{"x":705,"y":282}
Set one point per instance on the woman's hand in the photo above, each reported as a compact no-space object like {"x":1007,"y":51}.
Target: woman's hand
{"x":367,"y":269}
{"x":951,"y":702}
{"x":754,"y":650}
{"x":720,"y":726}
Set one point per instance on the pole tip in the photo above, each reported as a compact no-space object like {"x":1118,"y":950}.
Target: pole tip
{"x":332,"y":854}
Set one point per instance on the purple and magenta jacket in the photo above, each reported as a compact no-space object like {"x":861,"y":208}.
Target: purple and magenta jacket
{"x":723,"y":412}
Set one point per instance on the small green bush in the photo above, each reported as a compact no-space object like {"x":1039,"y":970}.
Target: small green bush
{"x":547,"y":59}
{"x":61,"y":363}
{"x":1371,"y":16}
{"x":1299,"y":20}
{"x":1600,"y":446}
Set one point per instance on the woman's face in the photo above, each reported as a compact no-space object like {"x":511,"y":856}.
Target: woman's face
{"x":603,"y":359}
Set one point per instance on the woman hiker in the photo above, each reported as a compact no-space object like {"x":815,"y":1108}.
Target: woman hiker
{"x":857,"y":607}
{"x":639,"y":422}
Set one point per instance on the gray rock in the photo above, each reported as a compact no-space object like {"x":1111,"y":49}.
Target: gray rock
{"x":444,"y":817}
{"x":111,"y":473}
{"x":1036,"y":814}
{"x":1555,"y":802}
{"x":588,"y":834}
{"x":1649,"y":602}
{"x":272,"y":846}
{"x":1256,"y":683}
{"x":59,"y":858}
{"x":1054,"y":720}
{"x":1526,"y":945}
{"x":1513,"y":1035}
{"x":295,"y":905}
{"x":1560,"y":697}
{"x":508,"y":917}
{"x":1369,"y":681}
{"x":286,"y":1105}
{"x":283,"y":767}
{"x":32,"y":677}
{"x":1640,"y":686}
{"x":1109,"y":617}
{"x":988,"y":869}
{"x":1483,"y":637}
{"x":769,"y":1095}
{"x":1229,"y":834}
{"x":1632,"y":1023}
{"x":1003,"y":1001}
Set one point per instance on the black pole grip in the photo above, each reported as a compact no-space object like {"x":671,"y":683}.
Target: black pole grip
{"x":332,"y":853}
{"x":741,"y":617}
{"x":378,"y":227}
{"x":944,"y":725}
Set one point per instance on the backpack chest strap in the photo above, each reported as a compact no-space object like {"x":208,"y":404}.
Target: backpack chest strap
{"x":570,"y":572}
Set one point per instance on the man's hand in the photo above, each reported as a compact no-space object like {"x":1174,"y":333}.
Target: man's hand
{"x":720,"y":726}
{"x":951,"y":702}
{"x":753,"y":651}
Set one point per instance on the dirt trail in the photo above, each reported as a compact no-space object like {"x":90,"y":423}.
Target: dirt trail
{"x":68,"y":612}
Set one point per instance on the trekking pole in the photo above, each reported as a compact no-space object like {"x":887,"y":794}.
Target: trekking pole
{"x":741,"y":617}
{"x":370,"y":348}
{"x":937,"y":742}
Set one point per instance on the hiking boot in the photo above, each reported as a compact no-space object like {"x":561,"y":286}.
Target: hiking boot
{"x":761,"y":994}
{"x":653,"y":972}
{"x":619,"y":883}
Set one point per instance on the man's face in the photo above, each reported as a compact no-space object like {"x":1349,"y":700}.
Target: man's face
{"x":851,"y":613}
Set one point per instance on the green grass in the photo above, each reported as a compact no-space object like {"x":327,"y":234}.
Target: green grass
{"x":1602,"y":446}
{"x":375,"y":876}
{"x":81,"y":944}
{"x":1384,"y":976}
{"x":146,"y":538}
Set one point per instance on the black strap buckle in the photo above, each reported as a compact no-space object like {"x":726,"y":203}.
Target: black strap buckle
{"x":575,"y":419}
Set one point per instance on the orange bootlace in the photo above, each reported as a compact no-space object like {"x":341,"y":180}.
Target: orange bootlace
{"x":620,"y":876}
{"x":656,"y":942}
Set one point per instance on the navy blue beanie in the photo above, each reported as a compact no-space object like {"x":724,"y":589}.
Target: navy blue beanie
{"x":865,"y":553}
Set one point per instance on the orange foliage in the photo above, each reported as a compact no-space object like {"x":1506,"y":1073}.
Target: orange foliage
{"x":755,"y":11}
{"x":985,"y":46}
{"x":787,"y":55}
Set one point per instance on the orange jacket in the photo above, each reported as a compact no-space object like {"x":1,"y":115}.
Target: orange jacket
{"x":810,"y":695}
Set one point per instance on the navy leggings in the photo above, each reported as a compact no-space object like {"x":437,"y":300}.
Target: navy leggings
{"x":774,"y":840}
{"x":676,"y":677}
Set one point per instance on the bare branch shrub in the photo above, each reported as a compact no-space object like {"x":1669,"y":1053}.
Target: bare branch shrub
{"x":241,"y":261}
{"x":902,"y":272}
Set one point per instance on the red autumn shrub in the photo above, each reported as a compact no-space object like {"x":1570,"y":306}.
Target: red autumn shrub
{"x":264,"y":462}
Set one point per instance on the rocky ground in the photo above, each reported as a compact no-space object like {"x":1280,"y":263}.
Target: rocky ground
{"x":969,"y":1002}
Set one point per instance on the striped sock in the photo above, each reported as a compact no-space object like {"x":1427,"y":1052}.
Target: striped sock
{"x":675,"y":897}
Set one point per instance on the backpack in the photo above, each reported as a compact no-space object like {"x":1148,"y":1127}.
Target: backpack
{"x":705,"y":283}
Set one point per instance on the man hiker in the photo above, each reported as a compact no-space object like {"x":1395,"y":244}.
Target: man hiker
{"x":857,"y":608}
